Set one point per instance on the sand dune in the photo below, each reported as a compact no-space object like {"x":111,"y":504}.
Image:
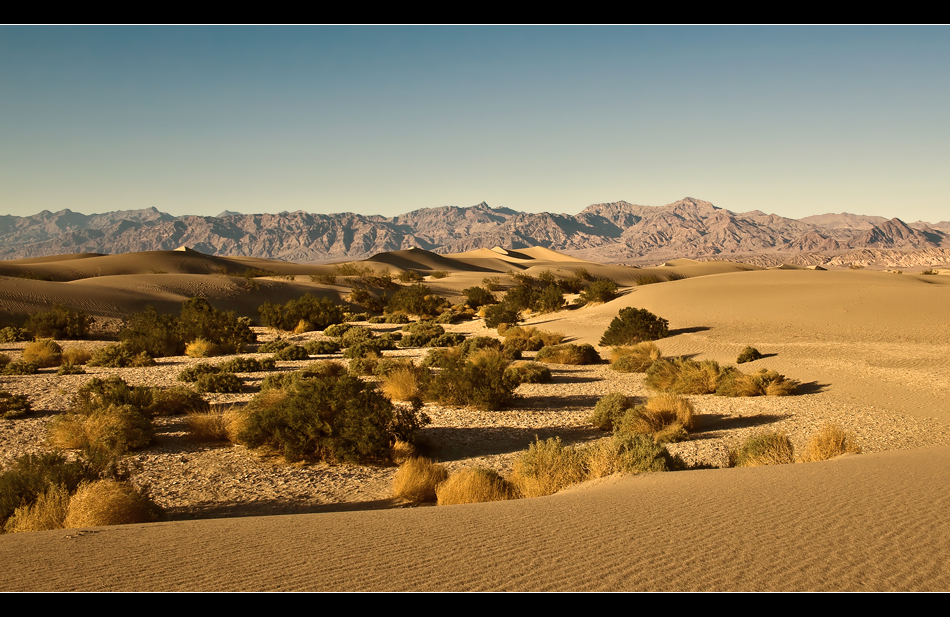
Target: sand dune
{"x":875,"y":342}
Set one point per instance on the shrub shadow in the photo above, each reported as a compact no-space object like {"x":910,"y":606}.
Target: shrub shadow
{"x":711,"y":426}
{"x":676,"y":331}
{"x":450,"y":444}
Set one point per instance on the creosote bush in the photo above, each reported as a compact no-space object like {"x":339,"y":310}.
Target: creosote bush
{"x":109,"y":431}
{"x":59,"y":323}
{"x":13,"y":405}
{"x":603,"y":290}
{"x":609,"y":410}
{"x":118,"y":355}
{"x":633,"y":325}
{"x":202,"y":348}
{"x":44,"y":353}
{"x":417,"y":479}
{"x":480,"y":381}
{"x":316,"y":313}
{"x":769,"y":448}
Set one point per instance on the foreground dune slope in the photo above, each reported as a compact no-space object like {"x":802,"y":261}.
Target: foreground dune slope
{"x":858,"y":523}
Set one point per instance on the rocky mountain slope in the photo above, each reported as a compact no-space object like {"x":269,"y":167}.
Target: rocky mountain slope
{"x":610,"y":232}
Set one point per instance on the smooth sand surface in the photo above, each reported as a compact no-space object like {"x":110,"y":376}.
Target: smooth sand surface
{"x":869,"y":522}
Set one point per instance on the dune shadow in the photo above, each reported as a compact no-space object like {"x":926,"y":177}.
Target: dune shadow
{"x":676,"y":331}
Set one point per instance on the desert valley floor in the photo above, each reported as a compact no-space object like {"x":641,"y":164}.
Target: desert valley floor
{"x":871,"y":348}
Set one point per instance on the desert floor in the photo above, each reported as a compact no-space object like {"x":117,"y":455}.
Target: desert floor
{"x":872,"y":350}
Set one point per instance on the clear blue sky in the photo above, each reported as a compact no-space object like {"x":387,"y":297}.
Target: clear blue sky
{"x":383,"y":120}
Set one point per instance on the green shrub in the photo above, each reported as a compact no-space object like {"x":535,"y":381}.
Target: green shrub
{"x":151,"y":333}
{"x":529,"y":372}
{"x":569,"y":354}
{"x":551,"y":299}
{"x":14,"y":334}
{"x":99,"y":393}
{"x":498,"y":314}
{"x":316,"y":313}
{"x":373,"y":347}
{"x":323,"y":279}
{"x":626,"y":453}
{"x":175,"y":401}
{"x":59,"y":323}
{"x":449,"y":339}
{"x":409,"y":276}
{"x":666,"y":418}
{"x":609,"y":410}
{"x":647,"y":280}
{"x":749,"y":354}
{"x":67,"y":368}
{"x":356,"y":334}
{"x":247,"y":365}
{"x":192,"y":373}
{"x":416,"y":300}
{"x":108,"y":431}
{"x":341,"y":418}
{"x":478,"y":297}
{"x":19,"y":367}
{"x":438,"y":274}
{"x":44,"y":353}
{"x":482,"y":382}
{"x":292,"y":353}
{"x":634,"y":326}
{"x":603,"y":290}
{"x":31,"y":475}
{"x":219,"y":382}
{"x":685,"y":376}
{"x":273,"y":346}
{"x":118,"y":355}
{"x":338,"y":330}
{"x":13,"y":405}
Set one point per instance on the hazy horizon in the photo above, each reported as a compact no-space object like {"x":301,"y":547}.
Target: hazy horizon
{"x":791,"y":120}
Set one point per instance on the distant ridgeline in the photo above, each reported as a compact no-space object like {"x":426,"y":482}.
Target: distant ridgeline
{"x":617,"y":232}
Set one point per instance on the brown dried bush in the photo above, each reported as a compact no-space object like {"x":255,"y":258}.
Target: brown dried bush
{"x":107,"y":502}
{"x":417,"y":480}
{"x":829,"y":442}
{"x":476,"y":485}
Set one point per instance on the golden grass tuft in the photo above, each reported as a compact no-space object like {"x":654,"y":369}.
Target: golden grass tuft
{"x":763,"y":449}
{"x":44,"y":353}
{"x":634,"y":358}
{"x":208,"y":426}
{"x":202,"y":348}
{"x":829,"y":442}
{"x":667,"y":417}
{"x":417,"y":480}
{"x":107,"y":502}
{"x":47,"y":512}
{"x":476,"y":485}
{"x":76,"y":355}
{"x":402,"y":451}
{"x":547,"y":467}
{"x":404,"y":384}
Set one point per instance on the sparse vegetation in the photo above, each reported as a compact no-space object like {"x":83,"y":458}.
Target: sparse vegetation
{"x":769,"y":448}
{"x":749,"y":354}
{"x":417,"y":480}
{"x":569,"y":354}
{"x":635,"y":359}
{"x":44,"y":353}
{"x":481,"y":381}
{"x":828,"y":443}
{"x":476,"y":485}
{"x":13,"y":405}
{"x":118,"y":355}
{"x":603,"y":290}
{"x":59,"y":323}
{"x":633,"y":325}
{"x":315,"y":313}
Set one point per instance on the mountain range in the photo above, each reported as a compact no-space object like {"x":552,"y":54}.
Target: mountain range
{"x":617,"y":232}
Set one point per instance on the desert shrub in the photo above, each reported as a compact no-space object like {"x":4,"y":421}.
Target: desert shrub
{"x":449,"y":317}
{"x":929,"y":272}
{"x":202,"y":348}
{"x":44,"y":353}
{"x":323,"y":279}
{"x":319,"y":313}
{"x":385,"y":366}
{"x":292,"y":353}
{"x":13,"y":405}
{"x":342,"y":418}
{"x":409,"y":276}
{"x":497,"y":314}
{"x":416,"y":300}
{"x":31,"y":475}
{"x":273,"y":346}
{"x":603,"y":290}
{"x":208,"y":426}
{"x":476,"y":485}
{"x":762,"y":383}
{"x":111,"y":431}
{"x":76,"y":355}
{"x":59,"y":323}
{"x":200,"y":320}
{"x":317,"y":348}
{"x":192,"y":373}
{"x":47,"y":512}
{"x":338,"y":330}
{"x":551,"y":299}
{"x":107,"y":502}
{"x":609,"y":410}
{"x":356,"y":334}
{"x":676,"y":276}
{"x":118,"y":355}
{"x":635,"y":359}
{"x":763,"y":449}
{"x":667,"y":418}
{"x":417,"y":479}
{"x":364,"y":365}
{"x":829,"y":442}
{"x":219,"y":382}
{"x":406,"y":383}
{"x":99,"y":393}
{"x":348,"y":316}
{"x":438,"y":274}
{"x":441,"y":358}
{"x":245,"y":364}
{"x":491,"y":283}
{"x":547,"y":467}
{"x":153,"y":334}
{"x":625,"y":453}
{"x":449,"y":339}
{"x":14,"y":334}
{"x":634,"y":326}
{"x":529,"y":372}
{"x":685,"y":376}
{"x":526,"y":338}
{"x":174,"y":401}
{"x":649,"y":279}
{"x":749,"y":354}
{"x":4,"y":360}
{"x":419,"y":334}
{"x":20,"y":367}
{"x":481,"y":381}
{"x":523,"y":298}
{"x":478,"y":296}
{"x":372,"y":347}
{"x":569,"y":354}
{"x":68,"y":368}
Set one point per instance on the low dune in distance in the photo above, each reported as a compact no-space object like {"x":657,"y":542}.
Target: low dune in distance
{"x":872,"y":341}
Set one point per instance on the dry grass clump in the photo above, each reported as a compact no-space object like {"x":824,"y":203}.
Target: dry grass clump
{"x":405,"y":383}
{"x":417,"y":480}
{"x":625,"y":453}
{"x":112,"y":430}
{"x":763,"y":449}
{"x":569,"y":354}
{"x":666,"y":417}
{"x":762,"y":383}
{"x":107,"y":502}
{"x":749,"y":354}
{"x":76,"y":355}
{"x":402,"y":451}
{"x":475,"y":486}
{"x":684,"y":376}
{"x":47,"y":512}
{"x":202,"y":348}
{"x":636,"y":358}
{"x":44,"y":353}
{"x":547,"y":467}
{"x":208,"y":426}
{"x":828,"y":443}
{"x":609,"y":410}
{"x":529,"y":372}
{"x":527,"y":338}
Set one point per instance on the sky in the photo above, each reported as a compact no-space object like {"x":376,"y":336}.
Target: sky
{"x":790,"y":120}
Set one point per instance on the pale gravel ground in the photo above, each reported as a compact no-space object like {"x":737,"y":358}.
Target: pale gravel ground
{"x":215,"y":480}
